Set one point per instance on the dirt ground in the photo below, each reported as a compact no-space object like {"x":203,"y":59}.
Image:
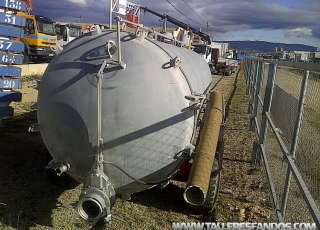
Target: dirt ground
{"x":29,"y":201}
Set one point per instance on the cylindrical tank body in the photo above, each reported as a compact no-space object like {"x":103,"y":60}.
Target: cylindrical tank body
{"x":145,"y":118}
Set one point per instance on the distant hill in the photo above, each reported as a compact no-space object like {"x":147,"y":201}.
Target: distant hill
{"x":262,"y":46}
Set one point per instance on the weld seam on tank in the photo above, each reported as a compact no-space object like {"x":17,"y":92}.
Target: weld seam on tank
{"x":199,"y":177}
{"x":167,"y":52}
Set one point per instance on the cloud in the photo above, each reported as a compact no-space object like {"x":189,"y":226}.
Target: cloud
{"x":70,"y":10}
{"x":312,"y":5}
{"x":301,"y":32}
{"x":238,"y":15}
{"x":316,"y":32}
{"x":80,"y":2}
{"x":222,"y":16}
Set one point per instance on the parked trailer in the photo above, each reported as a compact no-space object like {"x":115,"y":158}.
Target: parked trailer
{"x":66,"y":32}
{"x":302,"y":56}
{"x":217,"y":64}
{"x":316,"y":57}
{"x":222,"y":65}
{"x":118,"y":112}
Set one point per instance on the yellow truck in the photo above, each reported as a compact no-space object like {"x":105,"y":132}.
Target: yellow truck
{"x":39,"y":34}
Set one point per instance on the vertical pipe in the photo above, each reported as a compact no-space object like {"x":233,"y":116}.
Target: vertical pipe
{"x":249,"y":62}
{"x":253,"y":85}
{"x":258,"y":152}
{"x":255,"y":106}
{"x":295,"y":138}
{"x":110,"y":14}
{"x":99,"y":117}
{"x":256,"y":156}
{"x":118,"y":40}
{"x":164,"y":26}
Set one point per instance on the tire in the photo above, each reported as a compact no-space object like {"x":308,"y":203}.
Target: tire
{"x":212,"y":195}
{"x":227,"y":72}
{"x":214,"y":184}
{"x":26,"y":58}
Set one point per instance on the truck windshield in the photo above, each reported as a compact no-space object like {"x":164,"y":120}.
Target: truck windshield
{"x":45,"y":27}
{"x":199,"y":49}
{"x":74,"y":32}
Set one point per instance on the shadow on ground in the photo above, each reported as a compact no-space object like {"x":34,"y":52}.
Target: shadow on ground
{"x":27,"y":198}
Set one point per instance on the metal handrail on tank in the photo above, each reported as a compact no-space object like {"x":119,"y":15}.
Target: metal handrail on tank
{"x":140,"y":28}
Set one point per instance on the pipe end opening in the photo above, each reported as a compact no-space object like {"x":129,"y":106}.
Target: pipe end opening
{"x":90,"y":209}
{"x":194,"y":195}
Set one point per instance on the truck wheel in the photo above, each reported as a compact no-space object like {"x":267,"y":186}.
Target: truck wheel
{"x":64,"y":181}
{"x":26,"y":58}
{"x":228,"y":72}
{"x":212,"y":195}
{"x":214,"y":184}
{"x":212,"y":69}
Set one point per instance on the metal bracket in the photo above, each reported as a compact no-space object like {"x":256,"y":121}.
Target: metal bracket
{"x":56,"y":48}
{"x":141,"y":34}
{"x":176,"y":62}
{"x":34,"y":128}
{"x":35,"y":84}
{"x":112,"y":49}
{"x":195,"y":100}
{"x":187,"y":153}
{"x":95,"y":29}
{"x":58,"y":167}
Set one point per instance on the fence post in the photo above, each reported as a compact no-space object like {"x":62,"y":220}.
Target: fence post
{"x":253,"y":81}
{"x":247,"y":65}
{"x":256,"y":93}
{"x":256,"y":154}
{"x":294,"y":143}
{"x":250,"y":75}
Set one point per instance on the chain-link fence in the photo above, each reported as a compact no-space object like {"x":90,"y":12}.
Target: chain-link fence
{"x":285,"y":109}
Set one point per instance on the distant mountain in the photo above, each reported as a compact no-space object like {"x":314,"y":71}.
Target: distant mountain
{"x":262,"y":46}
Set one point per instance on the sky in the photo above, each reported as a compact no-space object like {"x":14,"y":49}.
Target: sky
{"x":280,"y":21}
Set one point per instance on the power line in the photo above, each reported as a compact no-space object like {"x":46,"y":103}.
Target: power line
{"x":184,"y":14}
{"x":193,"y":11}
{"x":207,"y":25}
{"x":213,"y":38}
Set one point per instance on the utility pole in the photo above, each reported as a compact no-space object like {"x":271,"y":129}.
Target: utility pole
{"x":207,"y":27}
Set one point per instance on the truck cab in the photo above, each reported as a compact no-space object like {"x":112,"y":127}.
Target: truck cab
{"x":66,"y":32}
{"x":39,"y":34}
{"x":204,"y":50}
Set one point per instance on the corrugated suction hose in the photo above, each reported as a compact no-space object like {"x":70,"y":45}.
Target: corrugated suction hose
{"x":199,"y":177}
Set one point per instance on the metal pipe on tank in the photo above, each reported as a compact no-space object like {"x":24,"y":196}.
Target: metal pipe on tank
{"x":198,"y":181}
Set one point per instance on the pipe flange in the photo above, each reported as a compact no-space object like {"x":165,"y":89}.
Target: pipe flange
{"x":94,"y":204}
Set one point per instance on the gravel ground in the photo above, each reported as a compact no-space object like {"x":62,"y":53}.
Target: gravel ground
{"x":29,"y":201}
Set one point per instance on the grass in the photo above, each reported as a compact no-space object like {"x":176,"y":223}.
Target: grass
{"x":32,"y":77}
{"x":313,"y":118}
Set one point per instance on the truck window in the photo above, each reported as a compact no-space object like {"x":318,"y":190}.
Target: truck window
{"x":200,"y":49}
{"x":29,"y":29}
{"x":74,"y":32}
{"x":45,"y":27}
{"x":57,"y":28}
{"x":208,"y":51}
